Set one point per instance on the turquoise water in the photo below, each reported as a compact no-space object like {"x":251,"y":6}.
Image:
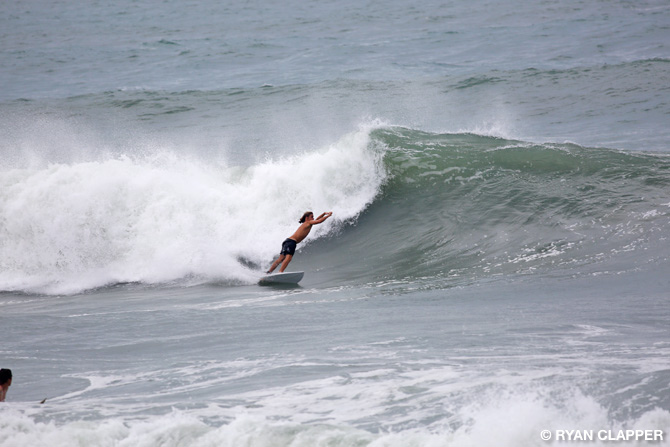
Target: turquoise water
{"x":496,"y":264}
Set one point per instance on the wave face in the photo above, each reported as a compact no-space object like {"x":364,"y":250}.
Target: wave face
{"x":465,"y":206}
{"x":409,"y":205}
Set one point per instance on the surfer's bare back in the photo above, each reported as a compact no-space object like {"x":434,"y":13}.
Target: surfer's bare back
{"x":288,"y":246}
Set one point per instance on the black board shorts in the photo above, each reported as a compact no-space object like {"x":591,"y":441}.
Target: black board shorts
{"x":288,"y":247}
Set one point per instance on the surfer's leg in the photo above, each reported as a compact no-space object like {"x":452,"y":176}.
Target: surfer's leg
{"x":287,"y":259}
{"x":276,"y":263}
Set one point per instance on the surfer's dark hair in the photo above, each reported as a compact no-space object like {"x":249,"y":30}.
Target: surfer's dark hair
{"x":5,"y":375}
{"x":304,"y":216}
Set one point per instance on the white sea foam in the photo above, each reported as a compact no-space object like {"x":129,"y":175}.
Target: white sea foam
{"x":73,"y":226}
{"x":506,"y":420}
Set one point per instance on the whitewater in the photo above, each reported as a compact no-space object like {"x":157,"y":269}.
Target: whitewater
{"x":495,"y":272}
{"x":163,"y":217}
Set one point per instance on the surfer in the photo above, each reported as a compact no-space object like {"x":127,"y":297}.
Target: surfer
{"x":289,"y":245}
{"x":5,"y":382}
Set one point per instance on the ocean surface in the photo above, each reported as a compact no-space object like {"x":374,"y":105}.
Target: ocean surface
{"x":496,"y":270}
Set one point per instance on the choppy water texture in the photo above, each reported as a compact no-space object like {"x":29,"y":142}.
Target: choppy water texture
{"x":496,"y":264}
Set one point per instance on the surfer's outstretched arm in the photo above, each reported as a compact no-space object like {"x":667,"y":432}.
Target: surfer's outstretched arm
{"x":321,"y":218}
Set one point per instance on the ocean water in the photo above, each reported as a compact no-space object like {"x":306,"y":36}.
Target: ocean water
{"x":496,"y":268}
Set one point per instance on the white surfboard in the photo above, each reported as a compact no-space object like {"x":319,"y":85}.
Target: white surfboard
{"x":282,"y":278}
